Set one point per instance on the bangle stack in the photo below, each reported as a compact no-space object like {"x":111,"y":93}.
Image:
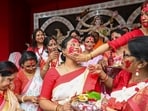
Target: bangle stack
{"x":105,"y":78}
{"x":58,"y":107}
{"x":22,"y":98}
{"x":46,"y":67}
{"x":89,"y":56}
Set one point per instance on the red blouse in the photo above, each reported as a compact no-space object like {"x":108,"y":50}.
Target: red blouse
{"x":121,"y":80}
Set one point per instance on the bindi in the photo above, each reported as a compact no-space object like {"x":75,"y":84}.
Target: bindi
{"x":31,"y":62}
{"x":90,"y":39}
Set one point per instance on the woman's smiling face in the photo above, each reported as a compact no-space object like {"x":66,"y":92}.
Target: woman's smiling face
{"x":89,"y":43}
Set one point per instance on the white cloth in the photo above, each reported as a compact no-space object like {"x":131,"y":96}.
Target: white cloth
{"x":33,"y":90}
{"x":74,"y":87}
{"x":15,"y":57}
{"x":126,"y":93}
{"x":94,"y":61}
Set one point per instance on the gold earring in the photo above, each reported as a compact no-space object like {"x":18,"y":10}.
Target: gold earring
{"x":137,"y":72}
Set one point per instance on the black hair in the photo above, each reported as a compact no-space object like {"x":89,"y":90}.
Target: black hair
{"x":76,"y":31}
{"x":27,"y":55}
{"x":34,"y":43}
{"x":46,"y":42}
{"x":125,"y":28}
{"x":119,"y":31}
{"x":47,"y":39}
{"x":96,"y":35}
{"x":89,"y":35}
{"x":7,"y":68}
{"x":64,"y":45}
{"x":144,"y":4}
{"x":138,"y":47}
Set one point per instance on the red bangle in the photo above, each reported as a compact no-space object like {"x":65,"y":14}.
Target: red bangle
{"x":105,"y":78}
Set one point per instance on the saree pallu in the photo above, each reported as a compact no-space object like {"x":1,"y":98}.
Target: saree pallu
{"x":139,"y":102}
{"x":72,"y":84}
{"x":134,"y":98}
{"x":10,"y":102}
{"x":32,"y":88}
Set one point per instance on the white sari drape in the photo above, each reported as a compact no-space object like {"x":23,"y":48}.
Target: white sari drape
{"x":126,"y":93}
{"x":64,"y":91}
{"x":33,"y":88}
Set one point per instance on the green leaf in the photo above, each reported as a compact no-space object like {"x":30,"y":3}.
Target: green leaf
{"x":94,"y":95}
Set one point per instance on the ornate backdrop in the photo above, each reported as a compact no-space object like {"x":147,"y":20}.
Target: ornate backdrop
{"x":65,"y":20}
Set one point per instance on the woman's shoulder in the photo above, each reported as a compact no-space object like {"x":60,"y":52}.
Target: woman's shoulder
{"x":52,"y":73}
{"x":52,"y":70}
{"x":20,"y":75}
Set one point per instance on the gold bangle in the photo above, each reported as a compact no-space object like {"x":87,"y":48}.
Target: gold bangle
{"x":22,"y":98}
{"x":46,"y":67}
{"x":91,"y":56}
{"x":57,"y":107}
{"x":105,"y":78}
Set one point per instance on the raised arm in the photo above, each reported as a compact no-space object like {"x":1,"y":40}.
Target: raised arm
{"x":85,"y":57}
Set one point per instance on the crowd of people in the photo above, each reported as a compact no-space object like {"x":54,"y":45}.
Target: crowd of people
{"x":51,"y":74}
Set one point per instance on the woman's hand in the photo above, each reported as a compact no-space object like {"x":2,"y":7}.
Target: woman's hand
{"x":95,"y":68}
{"x":53,"y":55}
{"x":33,"y":99}
{"x":80,"y":57}
{"x":65,"y":107}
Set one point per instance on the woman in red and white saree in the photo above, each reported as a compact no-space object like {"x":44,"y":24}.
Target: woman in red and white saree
{"x":139,"y":102}
{"x":53,"y":58}
{"x":8,"y":101}
{"x":69,"y":79}
{"x":37,"y":45}
{"x":131,"y":88}
{"x":28,"y":82}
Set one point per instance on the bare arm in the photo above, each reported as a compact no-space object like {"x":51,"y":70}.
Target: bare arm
{"x":85,"y":57}
{"x":101,"y":49}
{"x":107,"y":80}
{"x":53,"y":55}
{"x":45,"y":67}
{"x":22,"y":98}
{"x":47,"y":105}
